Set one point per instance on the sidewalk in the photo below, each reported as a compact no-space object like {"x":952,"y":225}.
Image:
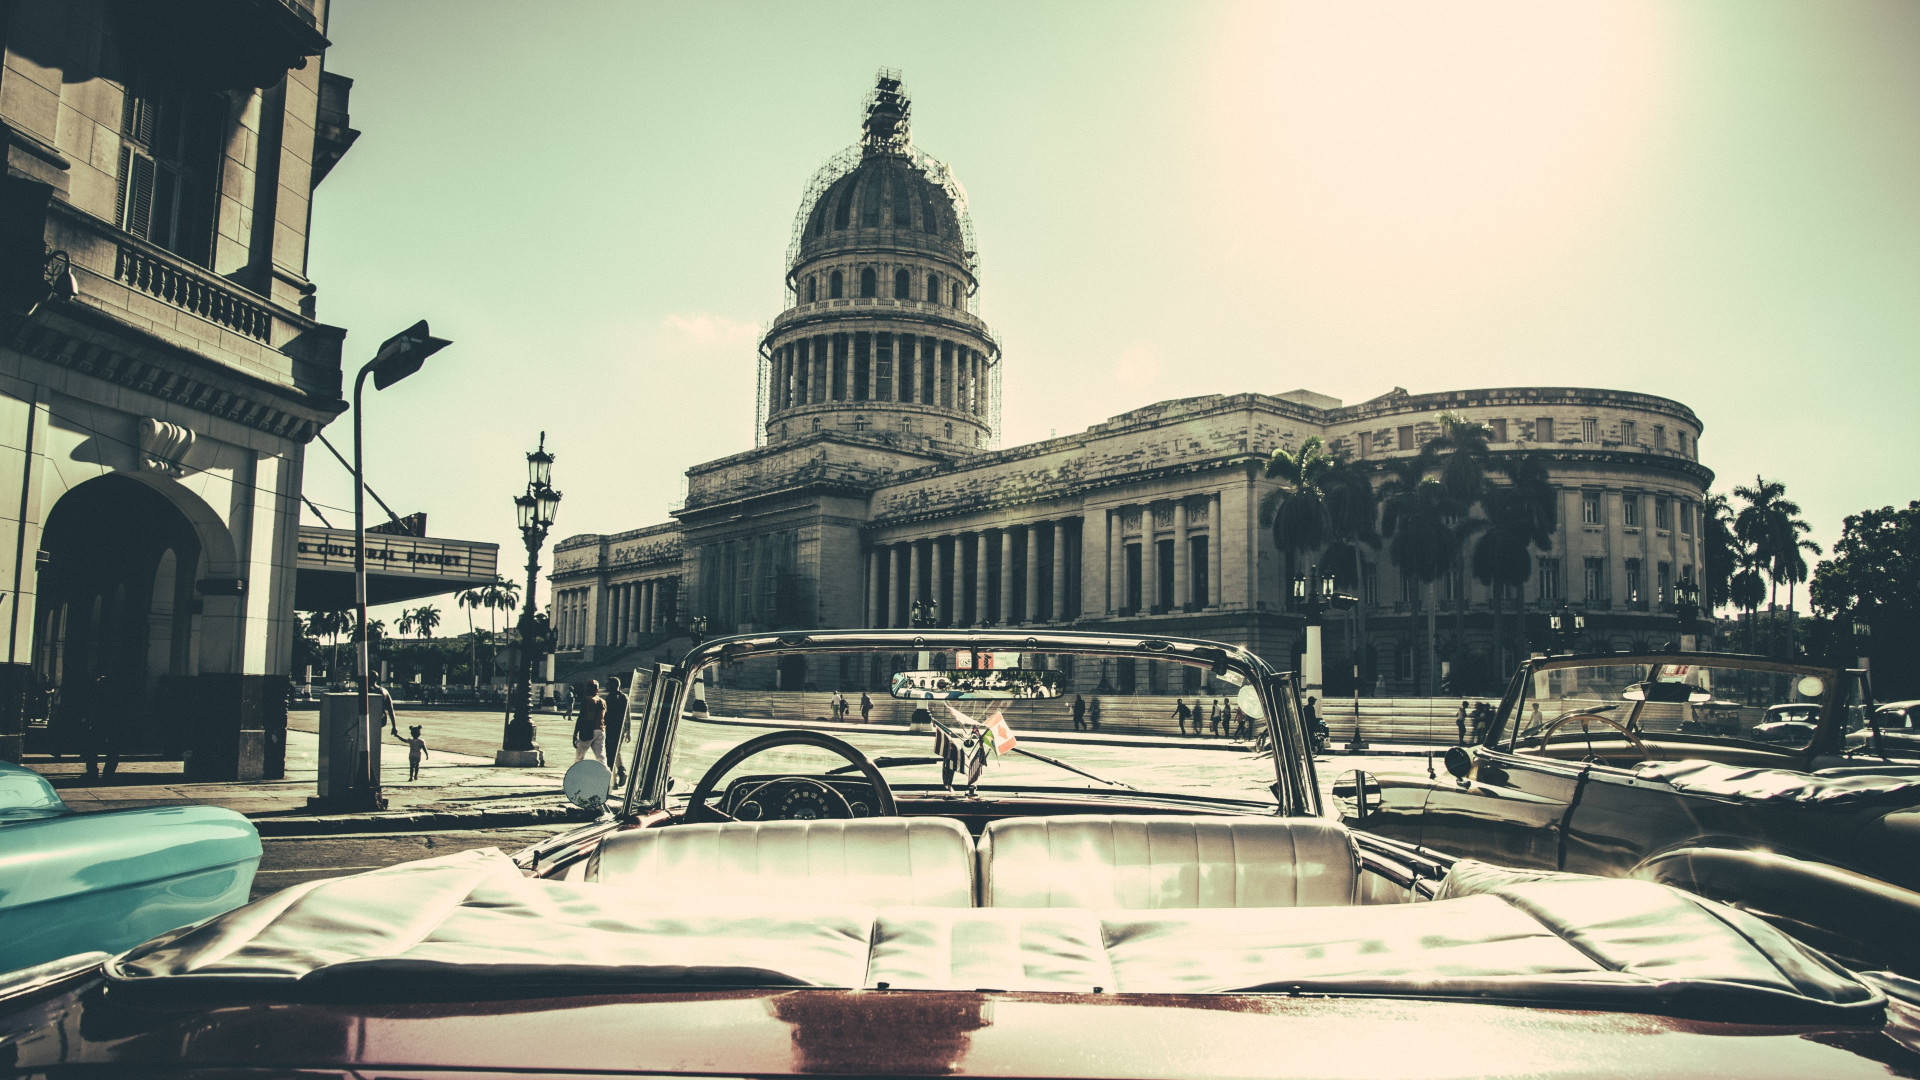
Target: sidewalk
{"x":455,"y":791}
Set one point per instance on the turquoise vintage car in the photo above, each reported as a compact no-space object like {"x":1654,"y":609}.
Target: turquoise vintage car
{"x":73,"y":883}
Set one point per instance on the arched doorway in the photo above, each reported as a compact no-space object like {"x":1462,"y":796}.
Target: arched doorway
{"x":116,"y":599}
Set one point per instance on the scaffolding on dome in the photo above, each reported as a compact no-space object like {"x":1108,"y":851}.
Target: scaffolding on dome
{"x":763,"y":389}
{"x":886,"y":129}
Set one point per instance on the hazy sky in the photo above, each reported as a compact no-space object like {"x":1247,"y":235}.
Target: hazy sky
{"x":1716,"y":201}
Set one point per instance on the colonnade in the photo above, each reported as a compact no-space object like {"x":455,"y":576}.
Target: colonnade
{"x":617,"y":614}
{"x":881,"y":366}
{"x":1129,"y":559}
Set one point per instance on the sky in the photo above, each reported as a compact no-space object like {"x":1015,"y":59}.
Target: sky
{"x":1716,"y":201}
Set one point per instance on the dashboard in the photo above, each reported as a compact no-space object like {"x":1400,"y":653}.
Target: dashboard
{"x":785,"y":797}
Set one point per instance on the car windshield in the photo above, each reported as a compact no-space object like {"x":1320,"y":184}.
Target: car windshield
{"x":1776,"y":705}
{"x":999,"y":720}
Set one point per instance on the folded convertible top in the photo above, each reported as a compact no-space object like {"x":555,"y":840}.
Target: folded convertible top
{"x":1782,"y":785}
{"x":471,"y":925}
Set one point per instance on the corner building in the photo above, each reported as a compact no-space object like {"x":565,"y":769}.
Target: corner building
{"x":880,"y":483}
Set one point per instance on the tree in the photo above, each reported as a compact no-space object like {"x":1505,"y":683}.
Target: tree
{"x":1417,"y":516}
{"x":1720,"y":552}
{"x":1322,"y":501}
{"x":471,"y":600}
{"x":331,"y":624}
{"x":1461,"y":450}
{"x":1522,"y":514}
{"x":1874,"y":577}
{"x":1770,"y":526}
{"x":426,"y":619}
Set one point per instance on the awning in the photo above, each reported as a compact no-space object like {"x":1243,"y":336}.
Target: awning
{"x":399,"y":568}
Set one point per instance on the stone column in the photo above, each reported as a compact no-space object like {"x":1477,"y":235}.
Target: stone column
{"x":1181,"y":593}
{"x":650,"y":610}
{"x":979,"y":577}
{"x":897,"y":617}
{"x":914,"y":562}
{"x":1059,"y":610}
{"x":1032,"y":612}
{"x":938,"y":382}
{"x":1116,"y":562}
{"x":1007,"y":577}
{"x":876,"y":601}
{"x":863,"y":362}
{"x":939,"y":553}
{"x":1215,"y":573}
{"x":1149,"y":562}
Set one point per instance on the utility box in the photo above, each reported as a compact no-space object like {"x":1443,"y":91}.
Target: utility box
{"x":341,"y":740}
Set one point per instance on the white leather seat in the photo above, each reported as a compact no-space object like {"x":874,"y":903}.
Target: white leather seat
{"x":868,"y":861}
{"x":1100,"y":861}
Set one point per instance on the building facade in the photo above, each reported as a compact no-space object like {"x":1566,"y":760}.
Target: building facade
{"x":161,"y":368}
{"x":879,"y":492}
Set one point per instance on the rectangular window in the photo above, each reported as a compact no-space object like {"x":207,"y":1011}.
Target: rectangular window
{"x":1370,"y":585}
{"x":1663,"y":580}
{"x":1662,"y":512}
{"x":1589,"y":508}
{"x":1629,"y":432}
{"x":1405,"y":439}
{"x":883,"y":368}
{"x":1498,"y":428}
{"x":1630,"y":510}
{"x":1409,"y":590}
{"x":1551,"y":584}
{"x":1360,"y":443}
{"x":1634,"y":597}
{"x":1403,"y":661}
{"x":1596,"y":574}
{"x":169,"y":170}
{"x":1681,"y":438}
{"x":1686,"y":518}
{"x":1659,"y":436}
{"x":908,"y":365}
{"x":1163,"y":583}
{"x":1132,"y":572}
{"x":862,"y":364}
{"x":1543,"y":429}
{"x":1196,"y":572}
{"x":1590,"y":429}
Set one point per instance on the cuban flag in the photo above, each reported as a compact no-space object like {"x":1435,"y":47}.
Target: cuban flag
{"x":1001,"y":733}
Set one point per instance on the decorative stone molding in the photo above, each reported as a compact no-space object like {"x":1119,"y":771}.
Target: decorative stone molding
{"x":164,"y":446}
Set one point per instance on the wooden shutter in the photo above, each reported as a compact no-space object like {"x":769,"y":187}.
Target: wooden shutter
{"x":134,"y":212}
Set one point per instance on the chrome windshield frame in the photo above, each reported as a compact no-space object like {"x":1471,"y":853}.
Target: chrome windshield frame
{"x":1294,"y":789}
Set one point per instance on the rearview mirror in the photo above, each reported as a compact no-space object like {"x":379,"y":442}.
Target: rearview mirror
{"x":972,"y":685}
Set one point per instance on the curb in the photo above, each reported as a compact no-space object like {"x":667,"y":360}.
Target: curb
{"x":419,"y":820}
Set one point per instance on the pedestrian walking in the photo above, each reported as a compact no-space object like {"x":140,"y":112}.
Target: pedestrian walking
{"x":1093,"y":714}
{"x":416,"y":750}
{"x":382,"y":704}
{"x":1316,"y":727}
{"x":1180,"y":714}
{"x":1460,"y":722}
{"x":866,"y":708}
{"x":837,"y":708}
{"x":1079,"y":713}
{"x":99,"y":726}
{"x":616,"y":728}
{"x":590,"y":727}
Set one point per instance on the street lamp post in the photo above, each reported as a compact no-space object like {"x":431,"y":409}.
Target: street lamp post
{"x":1566,"y":626}
{"x":536,"y":511}
{"x":1686,"y":604}
{"x":1315,"y":594}
{"x":398,"y":357}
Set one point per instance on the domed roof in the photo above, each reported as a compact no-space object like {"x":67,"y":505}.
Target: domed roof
{"x":884,"y":192}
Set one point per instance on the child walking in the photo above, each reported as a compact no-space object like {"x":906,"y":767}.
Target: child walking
{"x":416,"y":749}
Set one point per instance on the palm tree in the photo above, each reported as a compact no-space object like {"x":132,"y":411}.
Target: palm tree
{"x":426,"y":619}
{"x":1720,"y":554}
{"x":1762,"y":524}
{"x":1522,"y":514}
{"x":470,"y":600}
{"x":1418,"y":517}
{"x":1323,"y":500}
{"x":1461,"y":449}
{"x":1792,"y":567}
{"x":405,"y":622}
{"x":330,"y":624}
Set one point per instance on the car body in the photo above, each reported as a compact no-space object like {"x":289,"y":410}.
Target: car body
{"x":1689,"y":770}
{"x":1009,"y":894}
{"x":1891,"y":730}
{"x":74,"y":882}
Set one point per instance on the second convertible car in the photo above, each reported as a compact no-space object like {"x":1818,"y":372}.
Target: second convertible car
{"x":983,"y":884}
{"x":1732,"y":777}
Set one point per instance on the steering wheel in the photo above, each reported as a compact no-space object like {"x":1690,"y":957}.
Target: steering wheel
{"x":1594,"y":714}
{"x":702,"y":791}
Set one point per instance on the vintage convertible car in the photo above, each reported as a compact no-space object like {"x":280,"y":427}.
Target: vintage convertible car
{"x":1603,"y":765}
{"x":73,"y":882}
{"x":1005,"y":881}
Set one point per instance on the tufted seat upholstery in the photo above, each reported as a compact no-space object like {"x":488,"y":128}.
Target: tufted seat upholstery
{"x":926,"y":862}
{"x":1100,"y":861}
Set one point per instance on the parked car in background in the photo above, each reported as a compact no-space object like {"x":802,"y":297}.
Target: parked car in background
{"x":1606,"y":765}
{"x":1891,"y":732}
{"x":74,"y":882}
{"x":781,"y":894}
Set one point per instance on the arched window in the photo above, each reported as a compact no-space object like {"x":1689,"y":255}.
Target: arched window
{"x":843,"y":211}
{"x":949,"y":432}
{"x":869,"y":282}
{"x":816,"y":423}
{"x":901,"y":287}
{"x":813,"y":288}
{"x":933,"y":288}
{"x":836,"y":286}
